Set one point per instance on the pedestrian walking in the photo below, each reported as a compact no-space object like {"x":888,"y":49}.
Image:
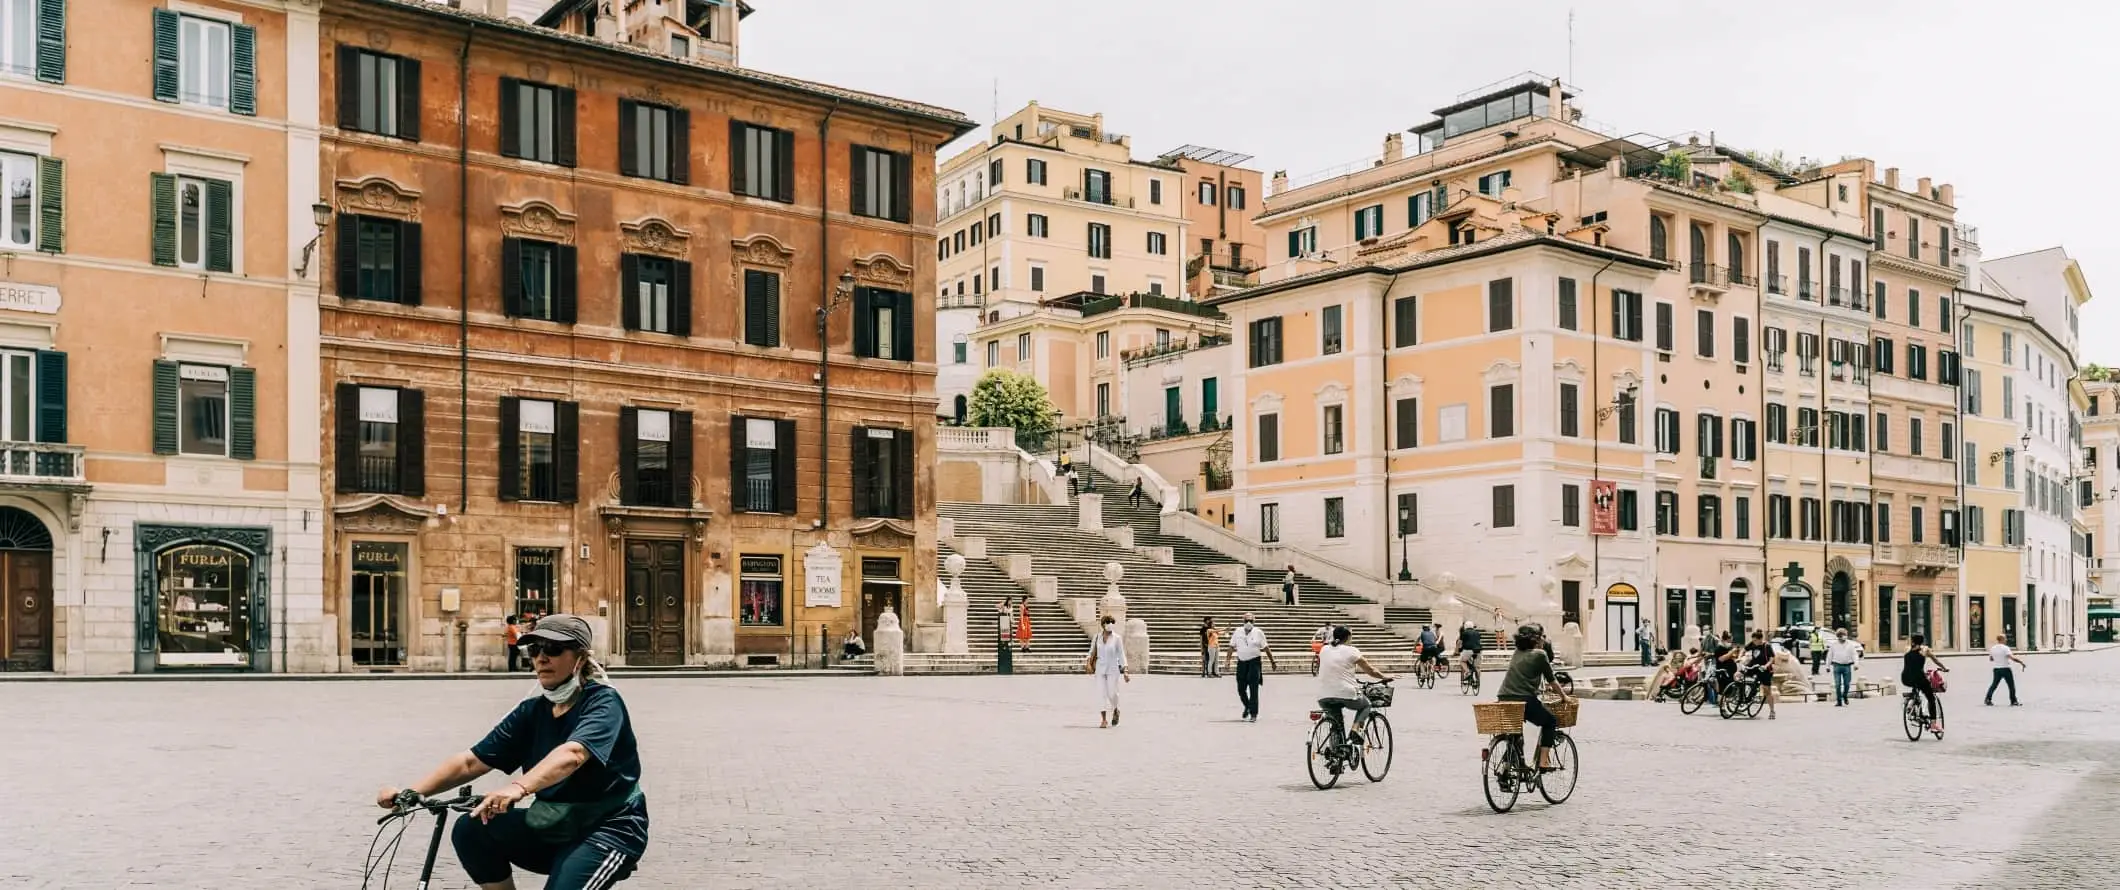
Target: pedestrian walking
{"x":1067,"y":468}
{"x":1107,"y":663}
{"x":1843,"y":653}
{"x":1317,"y":644}
{"x":1288,"y":588}
{"x":2000,"y":657}
{"x":1246,"y":645}
{"x":1818,"y":649}
{"x":511,"y":634}
{"x":1645,"y":638}
{"x":1023,"y":624}
{"x":1210,"y":641}
{"x":1800,"y":646}
{"x":1133,"y":498}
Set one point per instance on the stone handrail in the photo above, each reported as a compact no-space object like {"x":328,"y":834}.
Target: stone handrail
{"x":1112,"y":465}
{"x":1040,"y":473}
{"x":975,"y":438}
{"x":1278,"y":556}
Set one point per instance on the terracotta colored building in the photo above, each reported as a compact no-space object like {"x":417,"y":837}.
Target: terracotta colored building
{"x":571,"y":342}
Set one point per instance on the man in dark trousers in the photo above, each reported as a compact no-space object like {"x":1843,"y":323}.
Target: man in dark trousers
{"x":1133,"y":498}
{"x":1246,"y":644}
{"x":1288,"y":586}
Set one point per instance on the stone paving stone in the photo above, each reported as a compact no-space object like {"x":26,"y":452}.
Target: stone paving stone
{"x":960,"y":782}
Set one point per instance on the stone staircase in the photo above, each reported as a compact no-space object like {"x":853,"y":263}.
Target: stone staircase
{"x":986,"y":587}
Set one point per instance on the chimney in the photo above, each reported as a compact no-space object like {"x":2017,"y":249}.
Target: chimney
{"x":1921,"y":187}
{"x":1394,"y":148}
{"x":1509,"y":218}
{"x":497,"y":8}
{"x":1891,"y":177}
{"x":1280,"y":183}
{"x":1553,"y":99}
{"x":1948,"y":195}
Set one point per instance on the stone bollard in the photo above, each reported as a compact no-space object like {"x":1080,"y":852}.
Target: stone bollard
{"x":1691,"y":640}
{"x":890,"y":644}
{"x":956,"y":617}
{"x":1113,"y":603}
{"x":1569,"y":645}
{"x":1089,"y":512}
{"x":1137,"y":645}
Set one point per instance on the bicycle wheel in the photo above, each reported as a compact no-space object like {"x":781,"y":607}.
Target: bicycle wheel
{"x":1727,"y":702}
{"x":1938,"y":729}
{"x":1324,"y":768}
{"x":1557,"y":785}
{"x":1755,"y":701}
{"x":1423,"y":676}
{"x":1911,"y":716}
{"x":1690,"y":701}
{"x":1471,"y":684}
{"x":1498,"y":772}
{"x":1376,"y":748}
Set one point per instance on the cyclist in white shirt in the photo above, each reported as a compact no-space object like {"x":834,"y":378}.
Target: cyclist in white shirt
{"x":2000,"y":656}
{"x":1339,"y":688}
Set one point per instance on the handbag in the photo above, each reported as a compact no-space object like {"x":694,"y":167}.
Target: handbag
{"x":1935,"y":680}
{"x":566,"y":823}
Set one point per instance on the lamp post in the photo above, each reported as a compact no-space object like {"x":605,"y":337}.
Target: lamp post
{"x":321,"y":215}
{"x":1405,"y":514}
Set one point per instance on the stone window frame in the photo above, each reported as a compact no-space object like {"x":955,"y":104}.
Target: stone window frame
{"x":1333,"y":394}
{"x":538,"y":220}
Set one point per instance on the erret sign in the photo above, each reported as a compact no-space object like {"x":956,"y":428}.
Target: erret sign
{"x":29,"y":298}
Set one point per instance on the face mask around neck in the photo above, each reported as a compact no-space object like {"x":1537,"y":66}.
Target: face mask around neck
{"x":564,"y":692}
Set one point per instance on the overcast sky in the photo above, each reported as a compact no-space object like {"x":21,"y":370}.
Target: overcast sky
{"x":2002,"y":99}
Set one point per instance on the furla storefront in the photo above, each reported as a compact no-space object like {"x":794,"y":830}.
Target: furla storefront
{"x":202,"y":595}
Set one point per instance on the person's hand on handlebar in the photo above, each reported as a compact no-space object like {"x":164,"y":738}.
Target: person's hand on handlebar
{"x":387,"y":798}
{"x":498,"y":801}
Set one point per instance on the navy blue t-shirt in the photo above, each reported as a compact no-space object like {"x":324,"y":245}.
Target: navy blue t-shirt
{"x":598,"y":721}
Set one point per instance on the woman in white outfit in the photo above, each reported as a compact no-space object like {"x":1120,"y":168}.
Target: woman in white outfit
{"x":1107,"y":660}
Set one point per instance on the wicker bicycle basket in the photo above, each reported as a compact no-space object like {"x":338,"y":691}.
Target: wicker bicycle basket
{"x":1564,"y":712}
{"x":1498,"y":717}
{"x":1379,"y":694}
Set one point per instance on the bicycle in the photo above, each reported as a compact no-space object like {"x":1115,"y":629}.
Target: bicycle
{"x":1503,"y":772}
{"x":1368,"y":744}
{"x":410,"y":804}
{"x":1743,"y":695}
{"x":1916,"y":717}
{"x":1423,"y":672}
{"x":1469,"y":681}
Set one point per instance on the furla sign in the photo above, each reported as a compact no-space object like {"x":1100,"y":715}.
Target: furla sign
{"x":29,"y":298}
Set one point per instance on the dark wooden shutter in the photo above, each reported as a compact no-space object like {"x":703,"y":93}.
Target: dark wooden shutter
{"x":1405,"y":322}
{"x":348,"y":255}
{"x":903,"y":458}
{"x":51,"y":205}
{"x":738,"y":154}
{"x":51,"y":396}
{"x":864,"y":322}
{"x":901,"y":208}
{"x":681,"y":299}
{"x":412,"y":443}
{"x":681,"y":459}
{"x":680,"y":146}
{"x":512,"y":276}
{"x":408,"y":99}
{"x":563,"y":126}
{"x":162,"y":188}
{"x":863,"y":465}
{"x":628,"y":140}
{"x":220,"y":226}
{"x":858,"y":182}
{"x":563,"y":305}
{"x":347,"y":439}
{"x":902,"y":320}
{"x":628,"y":455}
{"x":409,"y":259}
{"x":784,"y":167}
{"x":166,"y":52}
{"x":754,"y":307}
{"x":1295,"y":244}
{"x":736,"y":464}
{"x":51,"y":41}
{"x":349,"y":88}
{"x":1741,"y":340}
{"x":243,"y":413}
{"x":1407,"y":417}
{"x":243,"y":70}
{"x":784,"y":467}
{"x":511,"y":487}
{"x":629,"y":290}
{"x":511,"y":117}
{"x":165,"y":412}
{"x":566,"y":451}
{"x":1501,"y":304}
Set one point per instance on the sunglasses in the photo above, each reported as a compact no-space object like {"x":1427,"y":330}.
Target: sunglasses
{"x":535,"y":648}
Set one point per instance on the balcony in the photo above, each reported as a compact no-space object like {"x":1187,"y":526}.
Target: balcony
{"x":1708,"y":279}
{"x":1806,"y":291}
{"x":1919,"y":558}
{"x":1778,"y":284}
{"x":1738,"y":278}
{"x":1108,"y":200}
{"x":1098,"y":304}
{"x":1148,"y":354}
{"x":961,"y":301}
{"x":38,"y":464}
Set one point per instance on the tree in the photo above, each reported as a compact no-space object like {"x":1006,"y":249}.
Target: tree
{"x":1676,"y":166}
{"x":1017,"y":401}
{"x":2097,"y":372}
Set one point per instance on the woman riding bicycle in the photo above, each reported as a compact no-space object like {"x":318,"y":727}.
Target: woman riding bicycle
{"x":1339,"y":687}
{"x":1531,"y":670}
{"x":589,"y":825}
{"x":1759,"y":661}
{"x":1917,"y":680}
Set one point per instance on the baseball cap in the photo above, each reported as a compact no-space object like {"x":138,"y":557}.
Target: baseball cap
{"x":562,"y":629}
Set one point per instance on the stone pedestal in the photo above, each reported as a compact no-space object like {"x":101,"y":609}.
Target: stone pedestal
{"x":956,"y":630}
{"x":1691,"y":640}
{"x":1113,"y":605}
{"x":1137,"y":645}
{"x":890,"y":645}
{"x":1089,"y":512}
{"x":1568,"y":645}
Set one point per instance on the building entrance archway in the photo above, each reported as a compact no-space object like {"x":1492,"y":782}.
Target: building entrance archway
{"x":25,"y":592}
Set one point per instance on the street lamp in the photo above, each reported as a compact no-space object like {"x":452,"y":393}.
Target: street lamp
{"x":321,"y":215}
{"x":1405,"y":515}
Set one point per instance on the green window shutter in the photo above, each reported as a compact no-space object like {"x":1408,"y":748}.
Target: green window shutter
{"x":51,"y":205}
{"x":220,"y":226}
{"x":242,"y":413}
{"x":164,"y":187}
{"x":165,"y":412}
{"x":51,"y":41}
{"x":243,"y":69}
{"x":51,"y":396}
{"x":165,"y":55}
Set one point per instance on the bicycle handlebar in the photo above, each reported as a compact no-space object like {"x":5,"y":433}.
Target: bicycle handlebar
{"x":409,"y":802}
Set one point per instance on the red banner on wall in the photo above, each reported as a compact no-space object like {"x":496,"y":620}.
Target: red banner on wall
{"x":1604,"y":507}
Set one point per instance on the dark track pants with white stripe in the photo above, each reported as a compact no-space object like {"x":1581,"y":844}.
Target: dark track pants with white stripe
{"x":488,"y":849}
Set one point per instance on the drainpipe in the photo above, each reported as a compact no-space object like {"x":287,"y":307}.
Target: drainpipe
{"x":1596,"y":436}
{"x":824,"y":352}
{"x":1385,"y":332}
{"x":463,"y":272}
{"x":1965,"y":314}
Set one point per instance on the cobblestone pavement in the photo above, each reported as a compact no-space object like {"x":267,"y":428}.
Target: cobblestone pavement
{"x":1007,"y":782}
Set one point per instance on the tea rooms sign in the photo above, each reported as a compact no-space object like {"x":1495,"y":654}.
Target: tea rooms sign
{"x":38,"y":298}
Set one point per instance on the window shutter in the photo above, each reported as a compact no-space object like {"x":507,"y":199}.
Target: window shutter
{"x":511,"y":487}
{"x":511,"y":114}
{"x":736,"y":464}
{"x":754,"y":307}
{"x":243,"y":69}
{"x":628,"y":140}
{"x":408,"y":85}
{"x":51,"y":396}
{"x":629,"y":291}
{"x":903,"y":457}
{"x":1408,"y":419}
{"x":511,"y":276}
{"x":864,"y":322}
{"x":563,"y":126}
{"x":681,"y":298}
{"x":51,"y":205}
{"x":166,"y":59}
{"x":1295,"y":244}
{"x":242,"y":413}
{"x":347,"y":441}
{"x":738,"y":151}
{"x":858,"y":181}
{"x":681,"y":459}
{"x":566,"y":451}
{"x":408,"y":264}
{"x":863,"y":465}
{"x":220,"y":226}
{"x":412,"y":443}
{"x":165,"y":413}
{"x":680,"y":146}
{"x":51,"y":41}
{"x":349,"y":88}
{"x":784,"y":166}
{"x":163,"y":188}
{"x":628,"y":455}
{"x":902,"y":195}
{"x":347,"y":257}
{"x":1741,"y":340}
{"x":903,"y":321}
{"x":784,"y":468}
{"x":563,"y":304}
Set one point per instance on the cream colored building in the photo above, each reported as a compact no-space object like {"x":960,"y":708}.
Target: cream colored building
{"x":1079,"y":345}
{"x":2101,"y":453}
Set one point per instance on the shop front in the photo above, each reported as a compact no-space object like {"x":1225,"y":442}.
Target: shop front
{"x":202,"y":598}
{"x":1622,"y":617}
{"x":2103,"y":619}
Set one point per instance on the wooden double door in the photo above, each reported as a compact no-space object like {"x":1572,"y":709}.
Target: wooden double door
{"x":655,"y":602}
{"x":26,"y":615}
